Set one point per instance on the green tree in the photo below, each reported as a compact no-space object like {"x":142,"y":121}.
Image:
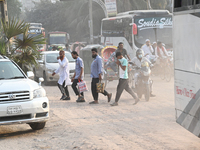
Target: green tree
{"x":69,"y":16}
{"x":14,"y":8}
{"x":28,"y":45}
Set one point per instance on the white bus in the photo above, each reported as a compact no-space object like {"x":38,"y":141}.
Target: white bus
{"x":35,"y":29}
{"x":134,"y":27}
{"x":186,"y":37}
{"x":39,"y":25}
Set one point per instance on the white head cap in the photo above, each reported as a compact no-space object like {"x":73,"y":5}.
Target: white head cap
{"x":154,"y":43}
{"x":147,"y":40}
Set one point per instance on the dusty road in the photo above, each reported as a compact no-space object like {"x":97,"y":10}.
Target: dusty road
{"x":145,"y":126}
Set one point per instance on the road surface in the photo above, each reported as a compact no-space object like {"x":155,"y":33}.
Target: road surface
{"x":145,"y":126}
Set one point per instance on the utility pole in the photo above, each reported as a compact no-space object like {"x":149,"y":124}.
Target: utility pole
{"x":4,"y":10}
{"x":148,"y":5}
{"x":90,"y":22}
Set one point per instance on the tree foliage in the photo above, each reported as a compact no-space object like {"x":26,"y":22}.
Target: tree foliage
{"x":28,"y":46}
{"x":71,"y":17}
{"x":14,"y":8}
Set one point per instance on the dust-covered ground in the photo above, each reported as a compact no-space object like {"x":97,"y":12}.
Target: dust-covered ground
{"x":145,"y":126}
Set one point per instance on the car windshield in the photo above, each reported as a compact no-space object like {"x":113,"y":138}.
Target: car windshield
{"x":52,"y":58}
{"x":8,"y":70}
{"x":57,"y":39}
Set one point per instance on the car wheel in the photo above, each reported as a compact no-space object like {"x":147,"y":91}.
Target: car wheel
{"x":37,"y":125}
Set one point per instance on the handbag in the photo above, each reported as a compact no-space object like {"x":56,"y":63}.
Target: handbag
{"x":82,"y":86}
{"x":100,"y":87}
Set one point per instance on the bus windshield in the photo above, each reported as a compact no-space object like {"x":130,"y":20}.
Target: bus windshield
{"x":154,"y":34}
{"x":155,"y":29}
{"x":57,"y":39}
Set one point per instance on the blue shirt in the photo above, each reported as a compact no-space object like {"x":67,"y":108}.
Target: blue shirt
{"x":96,"y":67}
{"x":79,"y":65}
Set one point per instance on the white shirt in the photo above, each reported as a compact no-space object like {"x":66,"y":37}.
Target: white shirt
{"x":147,"y":49}
{"x":138,"y":63}
{"x":161,"y":52}
{"x":63,"y":72}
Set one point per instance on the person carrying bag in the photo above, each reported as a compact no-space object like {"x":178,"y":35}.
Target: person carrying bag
{"x":78,"y":76}
{"x":96,"y":73}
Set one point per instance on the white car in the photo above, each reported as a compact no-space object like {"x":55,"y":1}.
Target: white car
{"x":49,"y":63}
{"x":22,"y":100}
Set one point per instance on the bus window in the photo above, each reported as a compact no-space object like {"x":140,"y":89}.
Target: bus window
{"x":164,"y":35}
{"x":177,"y":3}
{"x":187,"y":2}
{"x":143,"y":35}
{"x":181,"y":5}
{"x":197,"y":6}
{"x":112,"y":28}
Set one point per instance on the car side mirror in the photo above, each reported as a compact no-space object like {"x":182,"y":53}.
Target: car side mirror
{"x":40,"y":61}
{"x":40,"y":81}
{"x":30,"y":75}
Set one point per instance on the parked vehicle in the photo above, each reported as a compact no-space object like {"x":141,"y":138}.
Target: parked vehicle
{"x":22,"y":100}
{"x":144,"y":83}
{"x":48,"y":63}
{"x":57,"y":38}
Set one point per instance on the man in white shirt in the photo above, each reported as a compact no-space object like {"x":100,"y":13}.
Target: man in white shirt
{"x":63,"y":71}
{"x":148,"y":50}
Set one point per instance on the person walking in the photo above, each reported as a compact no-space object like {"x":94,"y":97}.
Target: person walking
{"x":96,"y":75}
{"x":78,"y":76}
{"x":123,"y":79}
{"x":63,"y":71}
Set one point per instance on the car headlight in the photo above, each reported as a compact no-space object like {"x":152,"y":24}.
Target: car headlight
{"x":39,"y":93}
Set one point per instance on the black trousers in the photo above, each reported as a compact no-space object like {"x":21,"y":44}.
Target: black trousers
{"x":63,"y":89}
{"x":74,"y":87}
{"x":94,"y":89}
{"x":123,"y":84}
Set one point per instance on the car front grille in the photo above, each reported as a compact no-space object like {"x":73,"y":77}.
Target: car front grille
{"x":14,"y":96}
{"x":12,"y":118}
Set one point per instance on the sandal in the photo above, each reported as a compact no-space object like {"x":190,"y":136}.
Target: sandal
{"x":94,"y":102}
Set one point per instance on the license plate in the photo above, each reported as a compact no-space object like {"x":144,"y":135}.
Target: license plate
{"x":14,"y":110}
